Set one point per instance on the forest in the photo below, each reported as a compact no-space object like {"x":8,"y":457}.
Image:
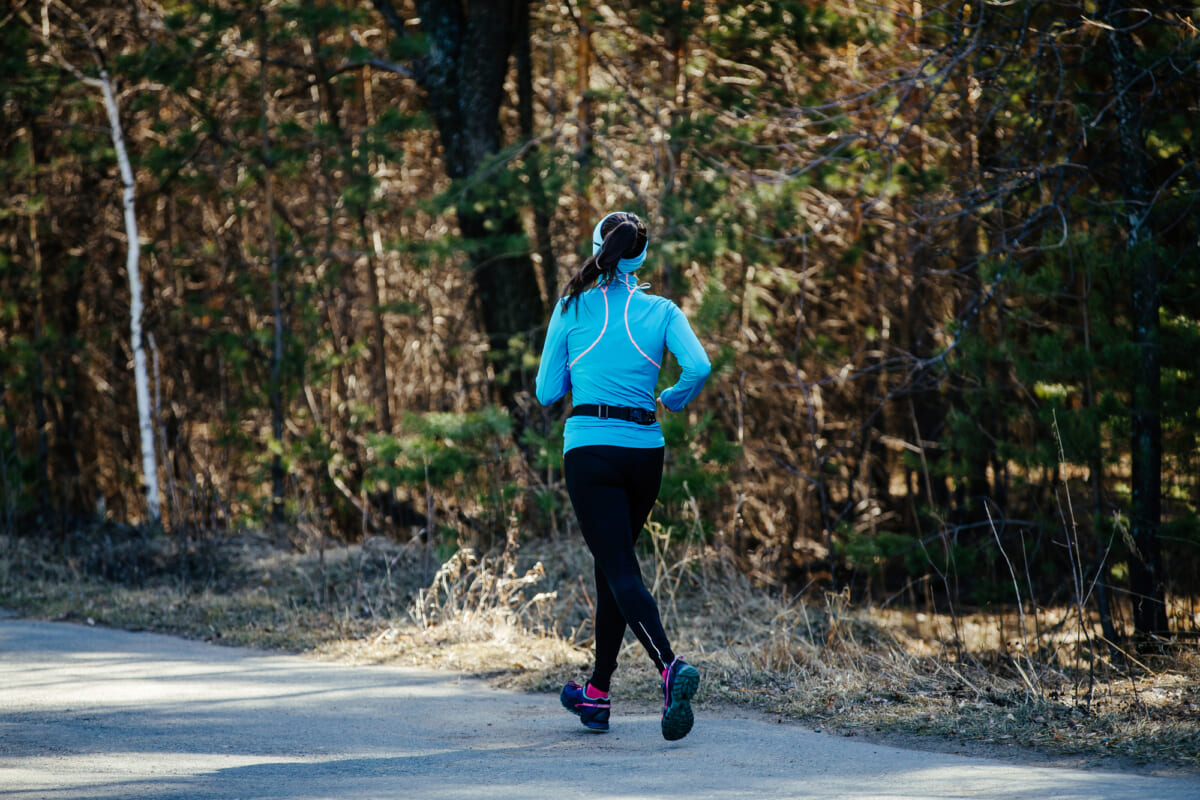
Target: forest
{"x":288,"y":264}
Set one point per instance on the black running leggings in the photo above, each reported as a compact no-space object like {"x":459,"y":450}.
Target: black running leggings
{"x":613,"y":489}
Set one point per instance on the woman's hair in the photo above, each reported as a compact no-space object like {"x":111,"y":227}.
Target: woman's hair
{"x":624,"y":237}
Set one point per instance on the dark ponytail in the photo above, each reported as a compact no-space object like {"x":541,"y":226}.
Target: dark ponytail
{"x":622,"y":234}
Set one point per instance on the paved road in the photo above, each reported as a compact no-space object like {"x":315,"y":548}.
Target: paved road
{"x":96,"y":713}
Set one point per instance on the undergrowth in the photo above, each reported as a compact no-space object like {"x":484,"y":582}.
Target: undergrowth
{"x":522,"y":616}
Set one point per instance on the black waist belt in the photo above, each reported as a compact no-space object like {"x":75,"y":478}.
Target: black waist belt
{"x":639,"y":415}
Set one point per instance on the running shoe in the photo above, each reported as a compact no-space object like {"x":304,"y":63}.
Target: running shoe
{"x":680,"y":682}
{"x":592,"y":712}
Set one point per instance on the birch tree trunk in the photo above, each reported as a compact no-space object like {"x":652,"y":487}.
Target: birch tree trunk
{"x":141,"y":381}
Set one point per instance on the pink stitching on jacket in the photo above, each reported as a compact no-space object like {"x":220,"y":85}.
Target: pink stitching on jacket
{"x":604,"y":291}
{"x":632,"y":288}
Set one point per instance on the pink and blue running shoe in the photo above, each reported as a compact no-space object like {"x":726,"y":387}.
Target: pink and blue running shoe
{"x":592,"y":711}
{"x":680,"y":682}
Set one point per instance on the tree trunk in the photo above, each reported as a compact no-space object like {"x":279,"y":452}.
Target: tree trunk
{"x":1146,"y":571}
{"x":543,"y":205}
{"x":276,"y":388}
{"x":463,"y":74}
{"x":972,"y":503}
{"x":141,"y":380}
{"x":39,"y":380}
{"x":1095,"y":473}
{"x":585,"y":151}
{"x":369,"y":227}
{"x":674,"y":78}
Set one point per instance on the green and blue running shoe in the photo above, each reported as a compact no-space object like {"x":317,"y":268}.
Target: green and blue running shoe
{"x":592,"y":711}
{"x":680,"y":682}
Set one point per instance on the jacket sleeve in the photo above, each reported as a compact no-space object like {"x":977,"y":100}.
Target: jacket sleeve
{"x":553,"y":377}
{"x":682,"y":342}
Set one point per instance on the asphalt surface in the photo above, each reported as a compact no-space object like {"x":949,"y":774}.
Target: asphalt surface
{"x":97,"y":713}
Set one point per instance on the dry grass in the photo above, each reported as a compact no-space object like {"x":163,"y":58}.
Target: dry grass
{"x":522,"y":616}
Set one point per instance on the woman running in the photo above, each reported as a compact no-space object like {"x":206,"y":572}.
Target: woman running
{"x":605,"y":345}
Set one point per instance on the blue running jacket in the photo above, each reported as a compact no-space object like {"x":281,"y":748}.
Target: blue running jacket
{"x":608,"y":349}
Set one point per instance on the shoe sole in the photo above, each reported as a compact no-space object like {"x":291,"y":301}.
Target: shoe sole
{"x":678,"y":719}
{"x":594,"y":725}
